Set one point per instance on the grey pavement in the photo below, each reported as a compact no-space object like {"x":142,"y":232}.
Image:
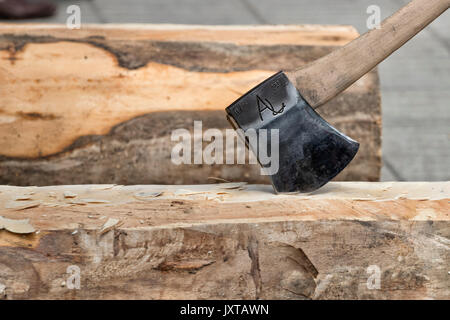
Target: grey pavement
{"x":415,"y":81}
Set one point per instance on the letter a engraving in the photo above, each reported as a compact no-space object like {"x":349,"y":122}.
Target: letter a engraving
{"x":265,"y":104}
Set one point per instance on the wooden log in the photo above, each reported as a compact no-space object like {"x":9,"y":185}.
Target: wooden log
{"x":98,"y":105}
{"x":349,"y":240}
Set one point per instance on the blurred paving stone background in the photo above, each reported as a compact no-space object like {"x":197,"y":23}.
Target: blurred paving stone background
{"x":415,"y":81}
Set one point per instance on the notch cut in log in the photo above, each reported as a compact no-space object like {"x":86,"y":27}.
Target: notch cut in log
{"x":349,"y":240}
{"x":98,"y":105}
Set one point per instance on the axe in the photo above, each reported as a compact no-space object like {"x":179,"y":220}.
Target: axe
{"x":311,"y":151}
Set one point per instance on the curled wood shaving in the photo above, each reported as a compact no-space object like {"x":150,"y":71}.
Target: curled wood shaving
{"x":16,"y":226}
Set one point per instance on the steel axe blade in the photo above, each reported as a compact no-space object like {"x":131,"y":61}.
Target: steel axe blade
{"x":310,"y":151}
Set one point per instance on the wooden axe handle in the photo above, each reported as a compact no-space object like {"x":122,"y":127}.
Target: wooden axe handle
{"x":326,"y":77}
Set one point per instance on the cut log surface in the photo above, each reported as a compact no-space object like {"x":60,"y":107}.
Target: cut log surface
{"x":352,"y":240}
{"x":98,"y":105}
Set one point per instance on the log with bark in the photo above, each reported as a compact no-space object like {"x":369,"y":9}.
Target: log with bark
{"x":352,"y":240}
{"x":98,"y":105}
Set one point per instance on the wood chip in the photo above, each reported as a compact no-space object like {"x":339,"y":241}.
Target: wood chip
{"x":110,"y":224}
{"x":22,"y":197}
{"x":147,"y":194}
{"x":69,"y":194}
{"x":22,"y":205}
{"x":16,"y":226}
{"x":218,"y":179}
{"x":184,"y":192}
{"x":103,"y":187}
{"x":78,"y":202}
{"x":235,"y":185}
{"x":52,"y":204}
{"x":94,"y":201}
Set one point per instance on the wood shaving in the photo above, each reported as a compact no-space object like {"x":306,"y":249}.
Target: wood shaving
{"x":235,"y":185}
{"x":78,"y":202}
{"x":109,"y":225}
{"x":94,"y":201}
{"x":219,"y":179}
{"x":22,"y":205}
{"x":184,"y":192}
{"x":53,"y":205}
{"x":22,"y":197}
{"x":69,"y":194}
{"x":103,"y":187}
{"x":16,"y":226}
{"x":139,"y":195}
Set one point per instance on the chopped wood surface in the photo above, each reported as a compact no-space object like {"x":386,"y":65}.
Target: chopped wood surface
{"x":234,"y":241}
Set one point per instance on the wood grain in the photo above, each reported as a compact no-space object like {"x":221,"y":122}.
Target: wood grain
{"x":315,"y":35}
{"x":220,"y":242}
{"x":70,"y":100}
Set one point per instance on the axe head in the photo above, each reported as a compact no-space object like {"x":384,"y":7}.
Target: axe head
{"x":310,"y":151}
